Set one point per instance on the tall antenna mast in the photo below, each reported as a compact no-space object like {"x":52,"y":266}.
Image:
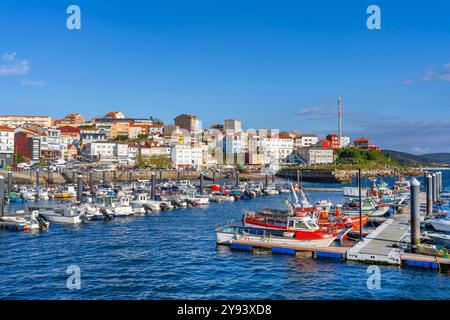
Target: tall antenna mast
{"x":339,"y":120}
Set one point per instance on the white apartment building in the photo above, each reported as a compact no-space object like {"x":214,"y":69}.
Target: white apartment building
{"x":316,"y":155}
{"x":305,"y":141}
{"x":156,"y":151}
{"x":100,"y":150}
{"x":121,"y":152}
{"x":275,"y":149}
{"x":6,"y":146}
{"x":17,"y":121}
{"x":345,"y":142}
{"x":186,"y":156}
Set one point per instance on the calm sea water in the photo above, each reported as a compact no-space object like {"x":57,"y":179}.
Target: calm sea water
{"x":173,"y":255}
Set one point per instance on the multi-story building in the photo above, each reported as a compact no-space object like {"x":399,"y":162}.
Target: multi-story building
{"x":316,"y":155}
{"x":70,"y":134}
{"x":121,"y":152}
{"x":276,"y":148}
{"x":115,"y":115}
{"x":27,"y":144}
{"x":232,"y":126}
{"x":334,"y":141}
{"x":72,"y":119}
{"x":345,"y":142}
{"x":187,"y":156}
{"x":362,"y":143}
{"x":119,"y":128}
{"x":88,"y":135}
{"x":135,"y":130}
{"x":17,"y":121}
{"x":305,"y":140}
{"x":155,"y":129}
{"x":6,"y":146}
{"x":189,"y":122}
{"x":100,"y":151}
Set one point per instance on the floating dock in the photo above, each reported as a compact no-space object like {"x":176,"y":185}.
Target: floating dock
{"x":381,"y":246}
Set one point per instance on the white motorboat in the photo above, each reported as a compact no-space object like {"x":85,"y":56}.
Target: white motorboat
{"x":441,"y":224}
{"x":68,"y":215}
{"x":122,"y":209}
{"x":23,"y":223}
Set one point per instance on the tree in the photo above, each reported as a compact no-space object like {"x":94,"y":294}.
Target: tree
{"x":121,"y":138}
{"x":143,"y":136}
{"x":18,"y":158}
{"x":160,"y":161}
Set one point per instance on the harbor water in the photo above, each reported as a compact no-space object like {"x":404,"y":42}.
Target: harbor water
{"x":173,"y":255}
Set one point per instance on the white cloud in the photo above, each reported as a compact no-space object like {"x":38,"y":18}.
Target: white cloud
{"x":439,"y":74}
{"x":34,"y":83}
{"x":316,"y":113}
{"x":12,"y":66}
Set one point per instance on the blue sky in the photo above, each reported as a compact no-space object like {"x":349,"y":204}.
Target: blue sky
{"x":271,"y":64}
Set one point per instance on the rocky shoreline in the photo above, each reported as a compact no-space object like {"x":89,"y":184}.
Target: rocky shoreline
{"x":343,"y":175}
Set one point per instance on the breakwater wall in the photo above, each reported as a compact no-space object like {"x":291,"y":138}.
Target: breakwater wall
{"x":341,"y":175}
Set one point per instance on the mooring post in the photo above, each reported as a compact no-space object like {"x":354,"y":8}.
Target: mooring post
{"x":153,"y":191}
{"x":415,"y":212}
{"x":439,"y":184}
{"x":37,"y":177}
{"x":130,"y":176}
{"x":80,"y":188}
{"x":10,"y":181}
{"x":267,"y":180}
{"x":201,"y":183}
{"x":429,"y":187}
{"x":237,"y":178}
{"x":434,"y":183}
{"x":2,"y":195}
{"x":160,"y":176}
{"x":214,"y":176}
{"x":90,"y":178}
{"x":360,"y":203}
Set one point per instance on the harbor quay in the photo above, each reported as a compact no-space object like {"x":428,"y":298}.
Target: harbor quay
{"x":397,"y":225}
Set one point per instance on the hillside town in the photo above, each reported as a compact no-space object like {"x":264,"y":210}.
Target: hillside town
{"x":116,"y":138}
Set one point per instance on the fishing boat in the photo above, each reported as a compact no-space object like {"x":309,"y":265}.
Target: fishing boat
{"x":302,"y":231}
{"x":23,"y":223}
{"x":277,"y":219}
{"x":65,"y":192}
{"x":402,"y":187}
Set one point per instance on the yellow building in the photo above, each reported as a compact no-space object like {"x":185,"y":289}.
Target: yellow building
{"x":119,"y":128}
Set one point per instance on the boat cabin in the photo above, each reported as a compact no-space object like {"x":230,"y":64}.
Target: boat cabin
{"x":301,"y":224}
